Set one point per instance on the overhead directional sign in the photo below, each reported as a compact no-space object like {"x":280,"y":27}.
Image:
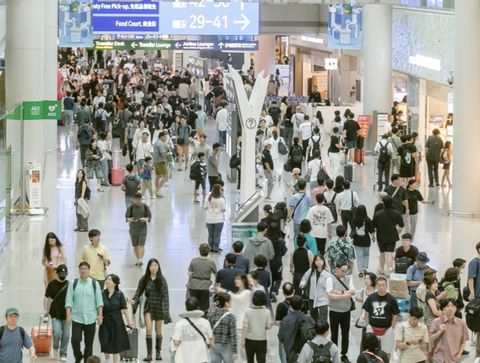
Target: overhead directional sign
{"x":120,"y":16}
{"x":209,"y":17}
{"x":175,"y":45}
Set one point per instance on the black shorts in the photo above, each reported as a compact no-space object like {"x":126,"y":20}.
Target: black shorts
{"x":198,"y":183}
{"x":386,"y":247}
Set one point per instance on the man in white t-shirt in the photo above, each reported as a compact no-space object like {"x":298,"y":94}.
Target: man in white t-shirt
{"x":306,"y":130}
{"x":321,"y":219}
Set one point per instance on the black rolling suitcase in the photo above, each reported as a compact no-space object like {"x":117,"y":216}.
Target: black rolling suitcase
{"x":347,"y":170}
{"x":132,"y":353}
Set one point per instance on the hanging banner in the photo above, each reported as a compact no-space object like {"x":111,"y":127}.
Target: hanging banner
{"x":75,"y":23}
{"x":345,"y":26}
{"x":364,"y":121}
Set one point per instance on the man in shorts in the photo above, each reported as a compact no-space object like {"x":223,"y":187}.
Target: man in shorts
{"x":388,"y":223}
{"x":160,"y":154}
{"x":137,"y":216}
{"x":199,"y":176}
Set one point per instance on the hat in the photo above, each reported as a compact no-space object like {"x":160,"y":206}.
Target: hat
{"x":12,"y":311}
{"x":62,"y":270}
{"x":422,"y":257}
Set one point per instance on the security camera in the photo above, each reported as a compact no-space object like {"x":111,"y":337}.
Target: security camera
{"x":450,"y":79}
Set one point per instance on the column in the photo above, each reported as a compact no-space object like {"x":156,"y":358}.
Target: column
{"x":265,"y":56}
{"x":24,"y":76}
{"x":466,"y":147}
{"x":377,"y":56}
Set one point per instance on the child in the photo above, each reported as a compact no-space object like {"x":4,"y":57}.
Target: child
{"x":198,"y":173}
{"x":146,"y":175}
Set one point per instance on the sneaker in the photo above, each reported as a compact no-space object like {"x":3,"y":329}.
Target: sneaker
{"x":56,"y":353}
{"x":63,"y":358}
{"x":360,"y":274}
{"x":465,"y":352}
{"x":345,"y":359}
{"x":214,"y":252}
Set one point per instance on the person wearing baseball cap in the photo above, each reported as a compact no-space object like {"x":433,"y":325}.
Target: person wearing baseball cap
{"x":415,"y":275}
{"x":54,"y":304}
{"x":13,"y":338}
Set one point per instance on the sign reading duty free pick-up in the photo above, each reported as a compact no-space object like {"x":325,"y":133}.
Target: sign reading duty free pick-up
{"x":42,"y":110}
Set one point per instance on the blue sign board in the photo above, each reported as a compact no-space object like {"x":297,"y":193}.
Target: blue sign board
{"x":345,"y":26}
{"x":209,"y":17}
{"x":75,"y":23}
{"x":133,"y":17}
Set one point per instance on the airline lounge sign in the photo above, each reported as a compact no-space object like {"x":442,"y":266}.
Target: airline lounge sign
{"x":176,"y":45}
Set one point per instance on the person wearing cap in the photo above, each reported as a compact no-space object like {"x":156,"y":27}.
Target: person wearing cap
{"x":267,"y":163}
{"x":54,"y":304}
{"x":97,"y":256}
{"x":13,"y":338}
{"x":84,"y":307}
{"x":415,"y":275}
{"x":137,"y":216}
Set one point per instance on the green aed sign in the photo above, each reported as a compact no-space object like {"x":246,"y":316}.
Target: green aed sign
{"x":42,"y":110}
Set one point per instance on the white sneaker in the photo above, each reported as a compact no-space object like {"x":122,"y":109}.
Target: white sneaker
{"x":63,"y":359}
{"x":56,"y":353}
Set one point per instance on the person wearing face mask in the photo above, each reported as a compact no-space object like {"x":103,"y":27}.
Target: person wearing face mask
{"x":54,"y":305}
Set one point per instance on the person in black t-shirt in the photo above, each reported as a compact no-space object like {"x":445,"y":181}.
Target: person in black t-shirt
{"x":407,"y":249}
{"x":408,"y":154}
{"x":226,"y":276}
{"x":350,"y":129}
{"x":398,"y":194}
{"x":334,"y":154}
{"x":381,"y":313}
{"x":54,"y":304}
{"x":388,"y":224}
{"x":370,"y":350}
{"x":413,"y":196}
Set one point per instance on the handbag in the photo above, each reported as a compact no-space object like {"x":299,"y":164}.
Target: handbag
{"x":360,"y":323}
{"x":306,"y":288}
{"x":352,"y":302}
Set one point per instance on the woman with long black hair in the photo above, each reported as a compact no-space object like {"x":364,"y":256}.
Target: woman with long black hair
{"x":157,"y":308}
{"x":276,"y":267}
{"x":362,"y":232}
{"x":54,"y":254}
{"x":314,"y":281}
{"x":81,"y":192}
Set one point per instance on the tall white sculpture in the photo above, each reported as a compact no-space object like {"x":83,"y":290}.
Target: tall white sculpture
{"x":249,"y":111}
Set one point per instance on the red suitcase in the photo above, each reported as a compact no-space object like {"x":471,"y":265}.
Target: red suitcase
{"x":360,"y":156}
{"x":117,"y":176}
{"x":42,"y":337}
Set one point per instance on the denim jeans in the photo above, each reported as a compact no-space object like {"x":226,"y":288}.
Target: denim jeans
{"x":281,"y":353}
{"x":105,"y":170}
{"x":61,"y":335}
{"x":214,"y":235}
{"x":221,"y":353}
{"x":222,"y":138}
{"x":383,"y":170}
{"x":363,"y":254}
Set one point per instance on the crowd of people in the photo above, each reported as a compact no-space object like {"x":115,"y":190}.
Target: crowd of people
{"x":321,"y":227}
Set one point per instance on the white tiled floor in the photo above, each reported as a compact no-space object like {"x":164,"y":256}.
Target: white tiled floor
{"x":174,"y":234}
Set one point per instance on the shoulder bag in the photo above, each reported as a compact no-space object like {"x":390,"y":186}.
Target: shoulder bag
{"x":199,"y":332}
{"x":352,"y":303}
{"x":294,"y":209}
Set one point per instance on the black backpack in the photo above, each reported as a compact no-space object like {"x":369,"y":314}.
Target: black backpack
{"x":333,"y":208}
{"x":383,"y":155}
{"x":472,"y":312}
{"x":282,"y":208}
{"x":196,"y":171}
{"x":402,"y":264}
{"x":315,"y":144}
{"x":321,"y":353}
{"x":234,"y":161}
{"x":297,"y":154}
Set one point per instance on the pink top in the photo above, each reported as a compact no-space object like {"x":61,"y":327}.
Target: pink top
{"x":318,"y":190}
{"x":450,"y":342}
{"x":58,"y":256}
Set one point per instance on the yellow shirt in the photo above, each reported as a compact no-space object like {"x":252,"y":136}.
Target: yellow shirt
{"x":90,"y":255}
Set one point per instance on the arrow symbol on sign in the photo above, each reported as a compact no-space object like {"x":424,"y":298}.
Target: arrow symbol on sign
{"x":245,"y":21}
{"x":177,"y":45}
{"x":221,"y":45}
{"x":134,"y":45}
